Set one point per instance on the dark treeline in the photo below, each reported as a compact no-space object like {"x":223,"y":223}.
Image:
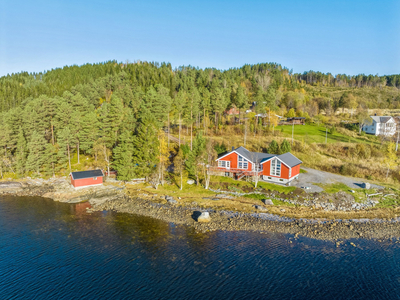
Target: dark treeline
{"x":113,"y":113}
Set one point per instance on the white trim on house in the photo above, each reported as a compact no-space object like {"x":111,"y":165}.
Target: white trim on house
{"x":227,"y":164}
{"x":278,"y":179}
{"x":227,"y":154}
{"x":275,"y":167}
{"x":276,"y":158}
{"x":242,"y":162}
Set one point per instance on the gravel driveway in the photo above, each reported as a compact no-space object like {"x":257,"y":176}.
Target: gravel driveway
{"x":316,"y":176}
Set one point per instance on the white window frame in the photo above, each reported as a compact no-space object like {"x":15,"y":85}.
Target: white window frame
{"x":224,"y":164}
{"x":276,"y":167}
{"x":242,"y":163}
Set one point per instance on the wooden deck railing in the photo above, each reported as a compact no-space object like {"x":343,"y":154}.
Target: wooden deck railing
{"x":239,"y":171}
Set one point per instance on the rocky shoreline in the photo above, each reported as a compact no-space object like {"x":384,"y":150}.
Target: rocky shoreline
{"x":261,"y":222}
{"x":112,"y":197}
{"x":59,"y":189}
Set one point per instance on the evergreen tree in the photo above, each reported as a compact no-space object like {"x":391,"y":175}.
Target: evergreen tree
{"x":21,"y":152}
{"x":192,"y":110}
{"x":158,"y":103}
{"x":115,"y":118}
{"x":65,"y":140}
{"x":145,"y":151}
{"x":123,"y":157}
{"x":89,"y":132}
{"x":273,"y":147}
{"x":36,"y":146}
{"x":285,"y":147}
{"x":50,"y":160}
{"x":179,"y":166}
{"x":240,"y":99}
{"x":180,"y":103}
{"x":195,"y":157}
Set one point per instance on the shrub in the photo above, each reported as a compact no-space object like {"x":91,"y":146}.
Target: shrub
{"x":220,"y":148}
{"x":351,"y":127}
{"x":285,"y":147}
{"x":273,"y":147}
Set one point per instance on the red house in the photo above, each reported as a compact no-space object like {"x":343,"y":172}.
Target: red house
{"x":87,"y":178}
{"x":241,"y":162}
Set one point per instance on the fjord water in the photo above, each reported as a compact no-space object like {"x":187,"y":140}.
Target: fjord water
{"x":51,"y":250}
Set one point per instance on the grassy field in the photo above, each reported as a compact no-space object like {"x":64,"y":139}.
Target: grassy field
{"x":239,"y":185}
{"x":317,"y":134}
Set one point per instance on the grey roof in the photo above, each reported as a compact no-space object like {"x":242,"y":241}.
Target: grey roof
{"x":87,"y":174}
{"x":289,"y":159}
{"x":381,"y":119}
{"x":257,"y":157}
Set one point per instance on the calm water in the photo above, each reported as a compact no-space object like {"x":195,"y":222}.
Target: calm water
{"x":50,"y":250}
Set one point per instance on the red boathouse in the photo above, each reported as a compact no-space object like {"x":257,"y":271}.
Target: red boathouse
{"x":241,"y":162}
{"x":87,"y":178}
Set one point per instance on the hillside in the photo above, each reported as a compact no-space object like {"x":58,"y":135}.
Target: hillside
{"x":110,"y":115}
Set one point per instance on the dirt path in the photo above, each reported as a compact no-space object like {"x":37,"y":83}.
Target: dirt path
{"x":316,"y":176}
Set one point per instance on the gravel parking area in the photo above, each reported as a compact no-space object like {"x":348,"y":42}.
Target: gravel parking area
{"x":316,"y":176}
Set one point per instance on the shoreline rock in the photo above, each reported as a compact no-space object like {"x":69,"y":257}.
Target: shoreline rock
{"x":112,"y":198}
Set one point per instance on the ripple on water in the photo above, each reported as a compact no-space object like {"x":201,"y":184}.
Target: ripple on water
{"x":55,"y":250}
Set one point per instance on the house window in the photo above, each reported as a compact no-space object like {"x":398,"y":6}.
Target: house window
{"x":242,"y":163}
{"x":275,"y":167}
{"x":224,"y":164}
{"x":94,"y":178}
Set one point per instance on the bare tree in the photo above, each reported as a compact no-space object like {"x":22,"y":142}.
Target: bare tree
{"x":209,"y":161}
{"x":255,"y":168}
{"x":363,"y":119}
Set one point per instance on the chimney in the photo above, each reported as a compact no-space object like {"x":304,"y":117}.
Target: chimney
{"x":375,"y":115}
{"x":233,"y":148}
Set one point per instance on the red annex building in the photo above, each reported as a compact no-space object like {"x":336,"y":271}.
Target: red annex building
{"x":87,"y":178}
{"x":241,"y":162}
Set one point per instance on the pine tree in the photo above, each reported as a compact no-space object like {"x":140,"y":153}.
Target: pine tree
{"x":191,"y":110}
{"x":65,"y":140}
{"x":273,"y":147}
{"x":115,"y":118}
{"x":196,"y":157}
{"x":36,"y":146}
{"x":285,"y":147}
{"x":89,"y":132}
{"x":50,"y":160}
{"x":158,"y":103}
{"x":146,"y":152}
{"x":179,"y":166}
{"x":123,"y":157}
{"x":21,"y":152}
{"x":240,"y":99}
{"x":180,"y":103}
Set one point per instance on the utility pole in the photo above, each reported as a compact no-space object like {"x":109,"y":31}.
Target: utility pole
{"x":245,"y":132}
{"x":292,"y":131}
{"x":397,"y":142}
{"x":326,"y":135}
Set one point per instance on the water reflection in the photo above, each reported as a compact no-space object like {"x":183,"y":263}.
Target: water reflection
{"x":57,"y":250}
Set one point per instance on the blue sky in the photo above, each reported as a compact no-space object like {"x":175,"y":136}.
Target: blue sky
{"x":349,"y":37}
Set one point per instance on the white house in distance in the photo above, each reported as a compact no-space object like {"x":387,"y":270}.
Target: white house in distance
{"x":381,"y":126}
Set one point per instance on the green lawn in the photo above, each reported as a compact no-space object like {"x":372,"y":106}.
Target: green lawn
{"x":316,"y":134}
{"x":238,"y":185}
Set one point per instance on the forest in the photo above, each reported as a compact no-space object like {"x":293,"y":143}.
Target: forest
{"x":122,"y":116}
